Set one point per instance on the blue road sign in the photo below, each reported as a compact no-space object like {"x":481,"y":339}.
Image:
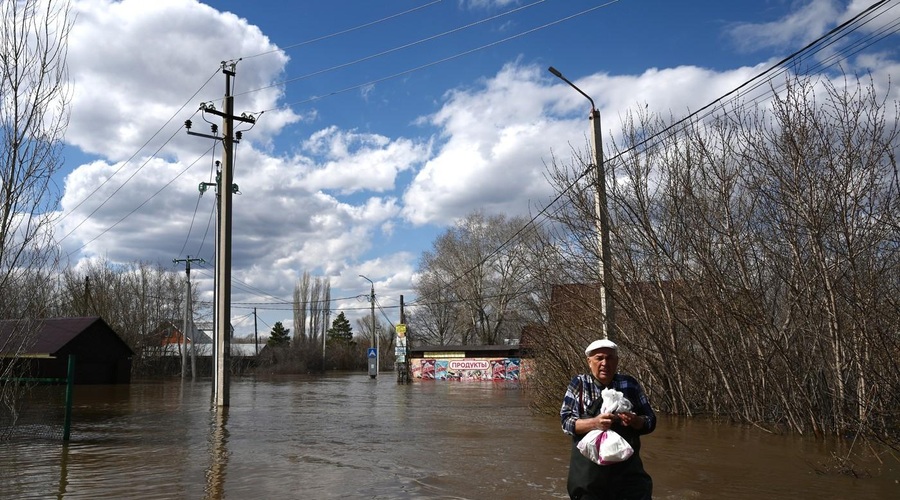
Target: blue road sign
{"x":373,"y":353}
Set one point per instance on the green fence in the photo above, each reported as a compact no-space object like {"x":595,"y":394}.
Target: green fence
{"x":38,"y":408}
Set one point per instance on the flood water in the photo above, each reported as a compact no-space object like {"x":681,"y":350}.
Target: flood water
{"x":348,"y":436}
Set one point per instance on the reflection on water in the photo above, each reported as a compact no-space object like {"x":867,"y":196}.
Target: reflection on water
{"x":218,"y":455}
{"x":348,"y":436}
{"x":63,"y":471}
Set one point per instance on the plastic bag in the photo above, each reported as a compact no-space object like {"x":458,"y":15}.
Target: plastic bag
{"x":614,"y":401}
{"x":605,"y":447}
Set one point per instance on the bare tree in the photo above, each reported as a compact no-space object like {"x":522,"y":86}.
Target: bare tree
{"x":475,"y":280}
{"x":301,"y":305}
{"x":435,"y":320}
{"x":325,"y":320}
{"x":34,"y":113}
{"x":315,"y":312}
{"x":385,"y":339}
{"x":134,"y":299}
{"x":756,"y":260}
{"x":312,"y":319}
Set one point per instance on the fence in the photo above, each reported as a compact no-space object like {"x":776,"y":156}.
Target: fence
{"x":37,"y":408}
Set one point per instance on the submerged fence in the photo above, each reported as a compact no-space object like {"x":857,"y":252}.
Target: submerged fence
{"x":40,"y":408}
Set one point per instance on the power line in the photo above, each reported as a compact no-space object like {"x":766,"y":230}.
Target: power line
{"x":129,"y":160}
{"x":398,"y":48}
{"x":132,"y":212}
{"x":197,"y":207}
{"x":706,"y":110}
{"x":345,"y":31}
{"x":445,"y":59}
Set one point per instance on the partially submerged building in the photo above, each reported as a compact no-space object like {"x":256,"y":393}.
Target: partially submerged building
{"x":44,"y":346}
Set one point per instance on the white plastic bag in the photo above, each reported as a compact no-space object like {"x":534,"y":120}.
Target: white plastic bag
{"x":614,"y":401}
{"x":605,"y":447}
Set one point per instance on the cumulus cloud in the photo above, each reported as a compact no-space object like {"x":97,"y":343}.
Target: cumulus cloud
{"x":137,"y":66}
{"x":353,"y":161}
{"x":495,"y":147}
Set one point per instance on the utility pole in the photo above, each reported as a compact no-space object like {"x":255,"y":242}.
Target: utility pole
{"x":255,"y":333}
{"x":226,"y":189}
{"x":324,"y":339}
{"x":402,"y":347}
{"x":374,"y":333}
{"x":188,"y":324}
{"x":607,"y":309}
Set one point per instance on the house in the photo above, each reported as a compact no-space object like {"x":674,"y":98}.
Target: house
{"x":101,"y":356}
{"x":170,"y":337}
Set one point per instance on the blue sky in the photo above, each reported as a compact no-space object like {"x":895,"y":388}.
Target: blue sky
{"x":381,"y":121}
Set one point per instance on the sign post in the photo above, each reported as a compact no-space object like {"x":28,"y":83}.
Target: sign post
{"x":373,"y":362}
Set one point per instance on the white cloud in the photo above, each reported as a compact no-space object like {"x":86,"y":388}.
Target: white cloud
{"x":494,"y":146}
{"x":487,"y":4}
{"x":135,"y":63}
{"x":491,"y":152}
{"x":355,"y":161}
{"x":796,"y":29}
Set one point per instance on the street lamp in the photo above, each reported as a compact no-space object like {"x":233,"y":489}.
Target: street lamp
{"x":374,"y":334}
{"x":606,"y":305}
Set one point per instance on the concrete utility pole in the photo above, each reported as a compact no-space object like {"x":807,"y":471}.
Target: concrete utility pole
{"x":374,"y":333}
{"x":226,"y":189}
{"x":255,"y":333}
{"x":606,"y":304}
{"x":188,"y":324}
{"x":403,"y":347}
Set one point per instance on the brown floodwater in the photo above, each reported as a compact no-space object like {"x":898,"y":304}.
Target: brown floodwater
{"x":348,"y":436}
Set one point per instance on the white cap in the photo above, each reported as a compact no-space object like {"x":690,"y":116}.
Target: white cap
{"x":600,"y":344}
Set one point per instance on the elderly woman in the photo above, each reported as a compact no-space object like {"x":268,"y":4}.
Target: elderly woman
{"x":580,"y":414}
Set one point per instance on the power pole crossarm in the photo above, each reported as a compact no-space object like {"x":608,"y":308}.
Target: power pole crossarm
{"x":187,"y":264}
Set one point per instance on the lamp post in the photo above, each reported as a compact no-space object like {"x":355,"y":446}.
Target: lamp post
{"x":606,"y":305}
{"x":374,"y":334}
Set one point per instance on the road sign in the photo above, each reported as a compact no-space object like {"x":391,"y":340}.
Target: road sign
{"x":400,"y":329}
{"x":373,"y":352}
